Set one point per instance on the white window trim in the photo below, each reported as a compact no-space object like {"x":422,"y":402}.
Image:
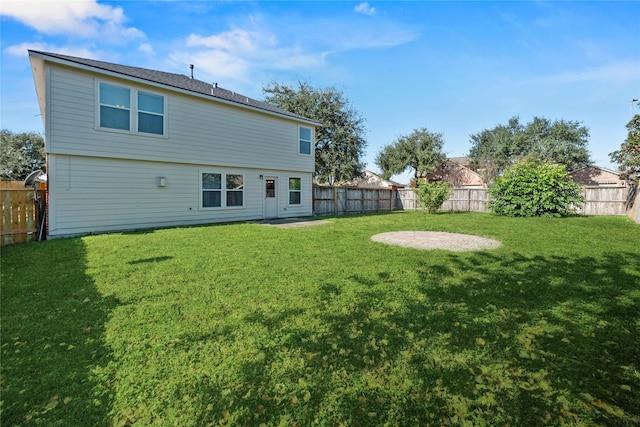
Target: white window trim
{"x":133,"y":110}
{"x":311,"y":143}
{"x":223,"y":195}
{"x":201,"y":192}
{"x":289,"y":191}
{"x":163,"y":115}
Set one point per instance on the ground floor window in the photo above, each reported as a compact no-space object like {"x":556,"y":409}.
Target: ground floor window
{"x":235,"y":190}
{"x":294,"y":191}
{"x":215,"y":195}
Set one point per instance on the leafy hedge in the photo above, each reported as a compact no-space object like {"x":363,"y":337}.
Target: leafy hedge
{"x":534,"y":188}
{"x":431,"y":195}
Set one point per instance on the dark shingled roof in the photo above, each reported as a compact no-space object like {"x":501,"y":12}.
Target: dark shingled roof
{"x":178,"y":81}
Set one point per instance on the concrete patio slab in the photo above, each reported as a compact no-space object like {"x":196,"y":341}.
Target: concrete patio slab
{"x":427,"y":240}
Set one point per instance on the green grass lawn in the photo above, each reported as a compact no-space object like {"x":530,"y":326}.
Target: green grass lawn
{"x":245,"y":324}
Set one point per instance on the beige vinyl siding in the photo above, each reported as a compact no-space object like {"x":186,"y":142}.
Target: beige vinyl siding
{"x":199,"y":131}
{"x":102,"y":180}
{"x":93,"y":194}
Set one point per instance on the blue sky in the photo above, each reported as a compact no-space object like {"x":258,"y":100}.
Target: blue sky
{"x":453,"y":67}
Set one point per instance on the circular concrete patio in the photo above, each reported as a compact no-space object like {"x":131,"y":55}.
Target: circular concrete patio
{"x":429,"y":240}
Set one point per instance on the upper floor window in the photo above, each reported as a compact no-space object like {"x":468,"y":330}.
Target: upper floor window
{"x":131,"y":110}
{"x":305,"y":140}
{"x":150,"y":113}
{"x":115,"y":107}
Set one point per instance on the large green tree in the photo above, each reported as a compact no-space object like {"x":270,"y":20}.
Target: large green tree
{"x":421,"y":151}
{"x":628,"y":156}
{"x":340,"y":141}
{"x":20,"y":154}
{"x":558,"y":141}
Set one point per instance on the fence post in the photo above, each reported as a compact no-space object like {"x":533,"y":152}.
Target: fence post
{"x":6,"y":217}
{"x":633,"y":203}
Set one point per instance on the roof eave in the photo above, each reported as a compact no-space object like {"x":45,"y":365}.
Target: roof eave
{"x":38,"y":72}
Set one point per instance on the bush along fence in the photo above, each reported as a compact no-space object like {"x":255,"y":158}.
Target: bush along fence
{"x":22,"y":216}
{"x":347,"y":200}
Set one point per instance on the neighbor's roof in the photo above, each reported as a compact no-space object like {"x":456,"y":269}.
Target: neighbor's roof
{"x":178,"y":81}
{"x":462,"y":160}
{"x":594,"y":167}
{"x":366,"y":175}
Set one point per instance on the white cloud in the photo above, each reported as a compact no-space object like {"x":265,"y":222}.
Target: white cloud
{"x":212,"y":64}
{"x":383,"y":35}
{"x":365,"y":8}
{"x":146,"y":48}
{"x":235,"y":40}
{"x":343,"y":35}
{"x":617,"y":73}
{"x":82,"y":18}
{"x":237,"y":53}
{"x":240,"y":54}
{"x":295,"y":59}
{"x":22,"y":48}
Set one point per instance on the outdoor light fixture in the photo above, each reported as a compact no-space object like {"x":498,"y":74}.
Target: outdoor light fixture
{"x":161,"y":181}
{"x":261,"y":176}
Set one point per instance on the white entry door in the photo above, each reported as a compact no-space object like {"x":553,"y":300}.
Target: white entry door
{"x":270,"y":197}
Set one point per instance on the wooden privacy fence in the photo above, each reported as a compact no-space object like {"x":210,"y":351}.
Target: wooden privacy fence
{"x":346,"y":200}
{"x":604,"y":201}
{"x":461,"y":200}
{"x":20,"y":212}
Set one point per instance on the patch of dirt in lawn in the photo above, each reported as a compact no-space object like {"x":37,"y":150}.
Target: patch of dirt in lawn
{"x":428,"y":240}
{"x":293,"y":222}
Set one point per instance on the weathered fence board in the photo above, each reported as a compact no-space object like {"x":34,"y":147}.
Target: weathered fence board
{"x":344,"y":200}
{"x":18,"y":216}
{"x":467,"y":200}
{"x":20,"y":213}
{"x":604,"y":201}
{"x":406,"y":199}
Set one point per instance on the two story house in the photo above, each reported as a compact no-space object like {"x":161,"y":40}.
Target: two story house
{"x":130,"y":148}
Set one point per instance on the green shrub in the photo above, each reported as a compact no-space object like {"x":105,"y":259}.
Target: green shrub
{"x":431,"y":195}
{"x":534,"y":188}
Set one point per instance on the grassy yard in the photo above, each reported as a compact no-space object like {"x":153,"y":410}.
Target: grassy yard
{"x":245,"y":324}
